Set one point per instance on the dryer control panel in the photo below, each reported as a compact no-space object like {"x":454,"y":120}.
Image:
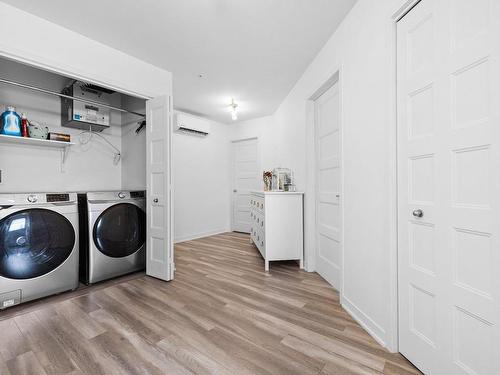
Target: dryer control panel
{"x":137,"y":194}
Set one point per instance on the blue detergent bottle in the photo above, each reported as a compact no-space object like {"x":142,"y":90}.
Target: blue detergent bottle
{"x":11,"y":122}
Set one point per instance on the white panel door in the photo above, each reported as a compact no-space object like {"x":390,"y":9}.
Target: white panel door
{"x":328,"y":183}
{"x":159,"y":249}
{"x":449,"y":186}
{"x":246,"y":178}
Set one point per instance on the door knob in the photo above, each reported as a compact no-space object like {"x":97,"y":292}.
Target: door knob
{"x":418,"y":213}
{"x":234,"y":191}
{"x":155,"y":200}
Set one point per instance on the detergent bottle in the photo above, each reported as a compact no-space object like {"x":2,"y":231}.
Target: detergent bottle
{"x":11,"y":122}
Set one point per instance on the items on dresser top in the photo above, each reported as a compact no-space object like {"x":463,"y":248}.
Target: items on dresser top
{"x":282,"y":180}
{"x":267,"y":177}
{"x":277,"y":225}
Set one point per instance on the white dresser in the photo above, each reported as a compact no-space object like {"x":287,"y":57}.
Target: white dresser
{"x":277,"y":225}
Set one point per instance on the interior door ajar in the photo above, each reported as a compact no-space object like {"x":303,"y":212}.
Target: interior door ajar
{"x":245,"y":179}
{"x":159,"y":244}
{"x":328,"y":185}
{"x":449,"y":186}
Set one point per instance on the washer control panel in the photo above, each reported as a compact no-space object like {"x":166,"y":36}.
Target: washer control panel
{"x":57,"y":197}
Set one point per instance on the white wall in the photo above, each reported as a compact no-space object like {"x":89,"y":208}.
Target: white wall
{"x":32,"y":169}
{"x":363,"y":48}
{"x":133,"y":176}
{"x":201,"y":167}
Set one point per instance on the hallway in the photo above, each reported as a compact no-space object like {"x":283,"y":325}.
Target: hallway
{"x":222,"y":314}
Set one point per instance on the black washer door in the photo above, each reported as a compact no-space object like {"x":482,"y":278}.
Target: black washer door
{"x":120,"y":230}
{"x":34,"y":242}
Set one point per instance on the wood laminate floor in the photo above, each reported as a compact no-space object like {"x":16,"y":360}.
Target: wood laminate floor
{"x":221,"y":315}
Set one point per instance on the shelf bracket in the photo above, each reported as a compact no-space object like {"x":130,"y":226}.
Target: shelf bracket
{"x":64,"y":154}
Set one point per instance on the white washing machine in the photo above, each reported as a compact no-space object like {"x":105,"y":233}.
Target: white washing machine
{"x":38,"y":246}
{"x":112,"y":234}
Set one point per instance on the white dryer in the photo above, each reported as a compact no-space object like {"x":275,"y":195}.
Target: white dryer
{"x":112,"y":234}
{"x":38,"y":246}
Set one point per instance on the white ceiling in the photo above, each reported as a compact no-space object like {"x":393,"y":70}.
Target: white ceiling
{"x":252,"y":50}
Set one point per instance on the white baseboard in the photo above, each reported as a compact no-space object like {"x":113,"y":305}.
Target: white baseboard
{"x":375,"y":330}
{"x":200,"y":235}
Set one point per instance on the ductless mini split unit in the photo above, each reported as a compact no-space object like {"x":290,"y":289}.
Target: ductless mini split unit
{"x":192,"y":124}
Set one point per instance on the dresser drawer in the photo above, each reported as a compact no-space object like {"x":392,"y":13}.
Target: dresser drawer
{"x":260,"y":242}
{"x":257,"y":202}
{"x":258,"y":220}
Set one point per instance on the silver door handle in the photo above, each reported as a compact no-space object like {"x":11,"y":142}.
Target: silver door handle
{"x":418,"y":213}
{"x":155,"y":200}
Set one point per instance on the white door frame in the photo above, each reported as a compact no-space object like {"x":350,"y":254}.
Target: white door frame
{"x":231,"y":185}
{"x":310,"y":214}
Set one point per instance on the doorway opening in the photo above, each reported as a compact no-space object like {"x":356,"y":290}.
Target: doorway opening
{"x":327,"y":236}
{"x":245,"y":179}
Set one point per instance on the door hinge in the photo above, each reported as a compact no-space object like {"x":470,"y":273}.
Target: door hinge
{"x":172,"y":270}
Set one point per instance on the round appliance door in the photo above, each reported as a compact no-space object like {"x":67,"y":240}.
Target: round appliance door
{"x":34,"y":242}
{"x":120,"y":230}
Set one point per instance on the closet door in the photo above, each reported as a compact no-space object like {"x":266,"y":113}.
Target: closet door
{"x":449,"y":185}
{"x":159,"y":247}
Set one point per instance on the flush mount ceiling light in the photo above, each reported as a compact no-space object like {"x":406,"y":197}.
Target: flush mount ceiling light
{"x":232,"y":109}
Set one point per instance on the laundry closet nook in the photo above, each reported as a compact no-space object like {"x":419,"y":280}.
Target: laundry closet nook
{"x":109,"y":157}
{"x":73,"y":183}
